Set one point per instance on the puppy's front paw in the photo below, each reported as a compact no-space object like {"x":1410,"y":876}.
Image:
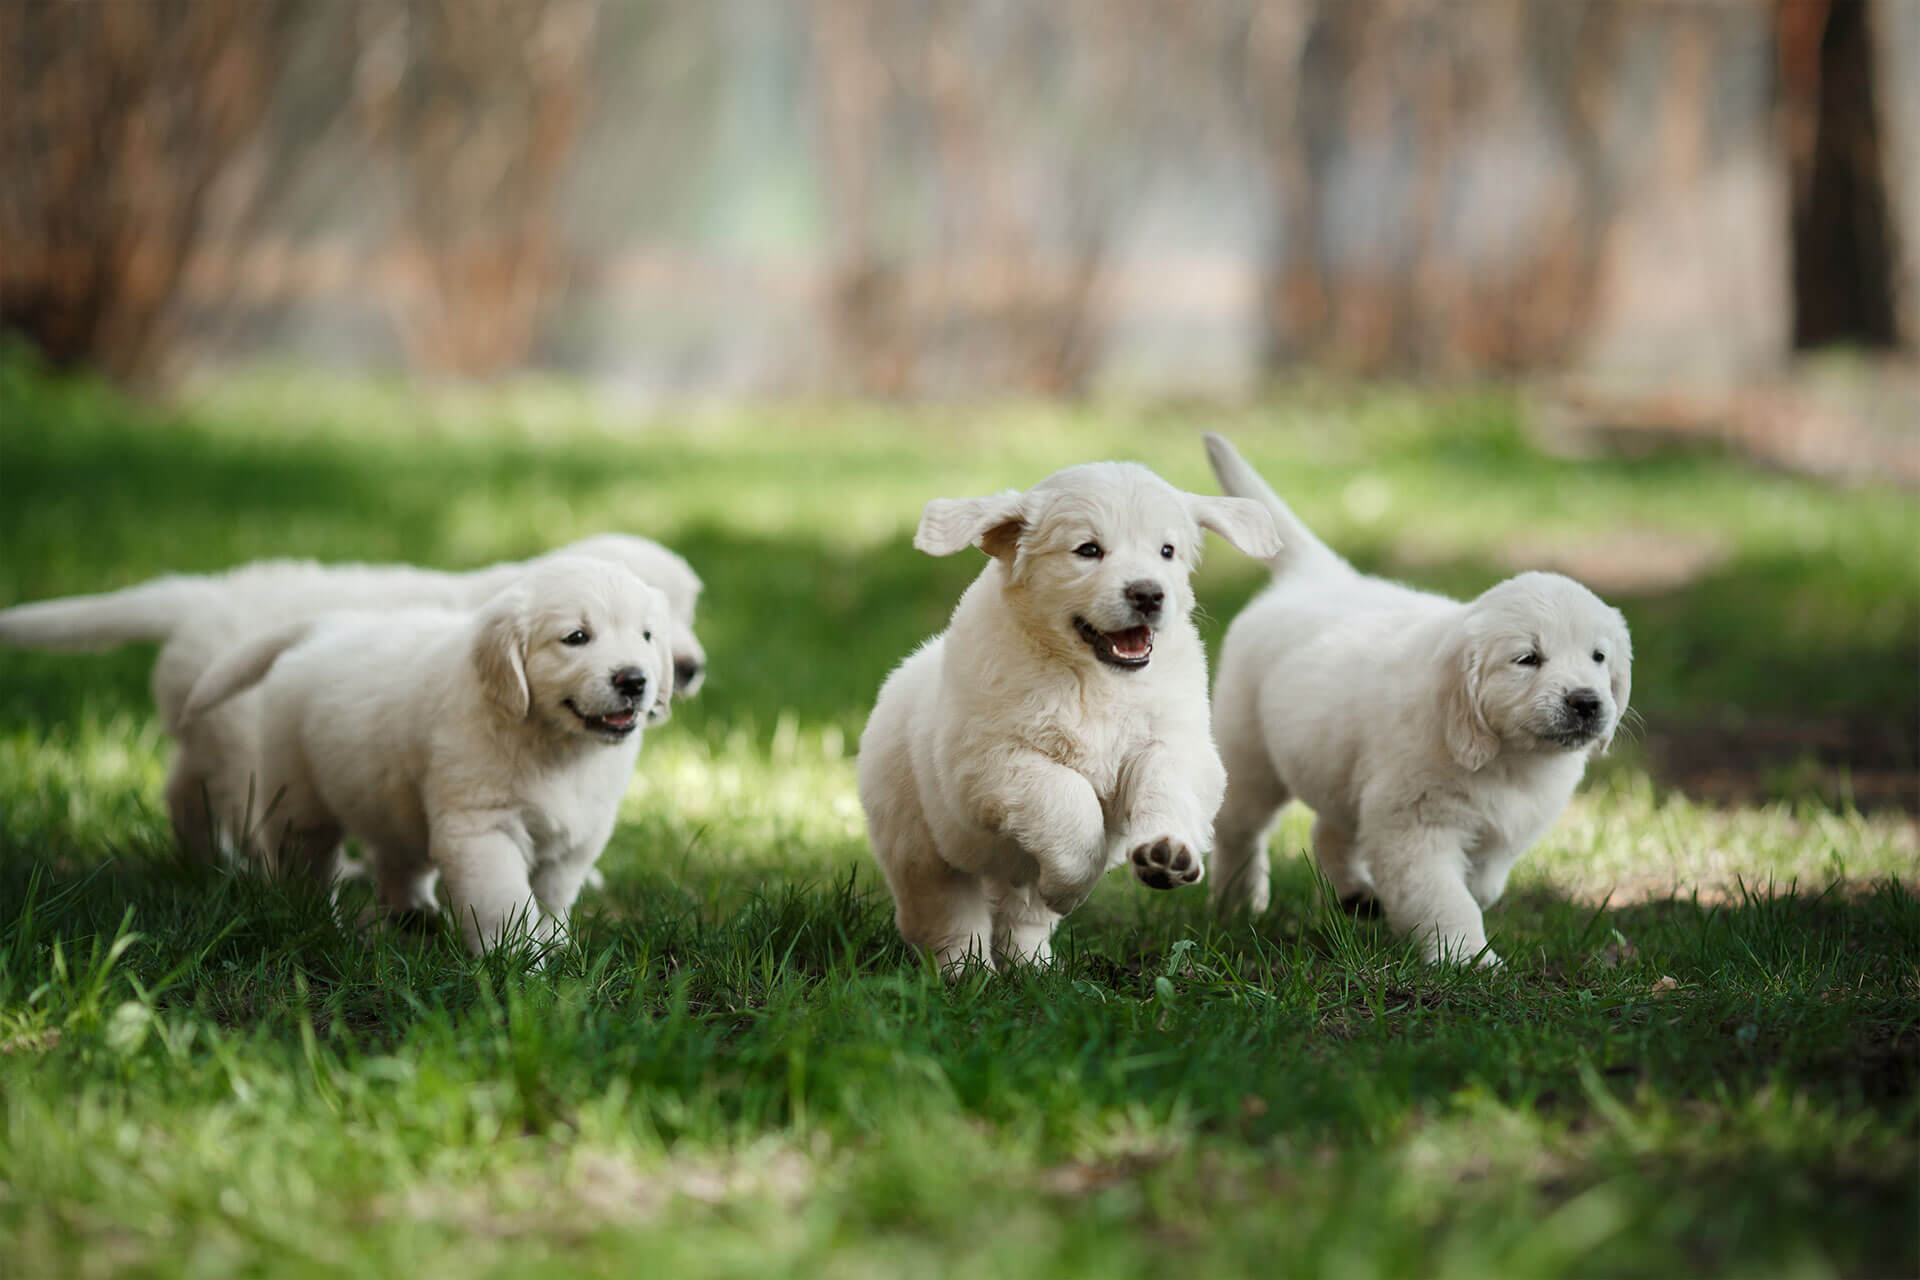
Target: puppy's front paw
{"x":1166,"y":862}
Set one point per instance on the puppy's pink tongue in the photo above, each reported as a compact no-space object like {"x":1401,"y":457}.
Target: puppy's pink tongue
{"x":1134,"y":642}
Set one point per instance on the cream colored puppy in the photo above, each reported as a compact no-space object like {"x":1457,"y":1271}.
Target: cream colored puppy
{"x":1058,"y":727}
{"x":197,"y":618}
{"x":488,"y":747}
{"x":1434,"y":740}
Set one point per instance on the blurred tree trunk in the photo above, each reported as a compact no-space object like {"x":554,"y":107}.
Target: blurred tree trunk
{"x":481,"y":102}
{"x":117,"y":121}
{"x":1843,"y":269}
{"x":866,"y":344}
{"x":991,"y":287}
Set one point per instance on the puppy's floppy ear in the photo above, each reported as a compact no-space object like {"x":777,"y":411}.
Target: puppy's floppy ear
{"x":993,"y":523}
{"x":500,"y":653}
{"x":663,"y":631}
{"x":1620,"y":676}
{"x":1471,"y":741}
{"x":1245,"y":523}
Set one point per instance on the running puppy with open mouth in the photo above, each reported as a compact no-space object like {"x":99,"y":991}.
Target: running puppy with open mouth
{"x":195,"y":618}
{"x":1434,"y":739}
{"x":488,"y":749}
{"x":1059,"y":726}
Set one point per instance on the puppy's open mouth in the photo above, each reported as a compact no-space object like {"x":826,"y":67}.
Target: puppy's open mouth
{"x":1127,"y":650}
{"x":614,"y":724}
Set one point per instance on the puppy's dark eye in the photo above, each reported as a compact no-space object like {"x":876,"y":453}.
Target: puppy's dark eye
{"x":576,"y":638}
{"x":1599,"y":656}
{"x":1089,"y":551}
{"x":646,"y":635}
{"x":1527,"y":660}
{"x":1166,"y":552}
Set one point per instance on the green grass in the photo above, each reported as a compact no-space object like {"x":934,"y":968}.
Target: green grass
{"x":1701,"y":1056}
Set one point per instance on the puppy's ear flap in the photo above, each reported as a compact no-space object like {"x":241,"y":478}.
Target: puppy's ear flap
{"x":1471,"y":741}
{"x":1245,"y":523}
{"x":993,"y":523}
{"x":663,"y":632}
{"x":500,"y":653}
{"x":1620,"y":672}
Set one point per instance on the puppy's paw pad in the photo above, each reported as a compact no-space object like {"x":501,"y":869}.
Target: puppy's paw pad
{"x":1165,"y":863}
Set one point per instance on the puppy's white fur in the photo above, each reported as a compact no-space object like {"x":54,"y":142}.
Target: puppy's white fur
{"x":1434,"y":740}
{"x":1006,"y":765}
{"x":210,"y":795}
{"x":489,"y":748}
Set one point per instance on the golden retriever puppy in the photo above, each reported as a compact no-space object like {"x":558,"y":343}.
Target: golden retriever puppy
{"x":489,"y":748}
{"x":196,"y":618}
{"x":1058,"y":727}
{"x":1434,"y":740}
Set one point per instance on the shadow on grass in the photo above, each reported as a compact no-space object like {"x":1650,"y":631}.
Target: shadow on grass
{"x":1796,"y":990}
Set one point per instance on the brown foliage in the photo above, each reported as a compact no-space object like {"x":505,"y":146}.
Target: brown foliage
{"x":481,"y":101}
{"x":117,"y":121}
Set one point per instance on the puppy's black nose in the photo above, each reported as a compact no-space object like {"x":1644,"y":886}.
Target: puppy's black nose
{"x":1584,"y":703}
{"x":1145,"y":595}
{"x":686,"y":672}
{"x":630,"y":681}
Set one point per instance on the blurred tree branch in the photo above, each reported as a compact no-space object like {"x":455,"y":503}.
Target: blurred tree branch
{"x":118,"y":120}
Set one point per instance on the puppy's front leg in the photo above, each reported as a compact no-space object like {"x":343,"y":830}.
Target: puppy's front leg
{"x":556,"y":886}
{"x":1169,"y":806}
{"x":1052,"y":813}
{"x":485,"y":871}
{"x":1421,"y":875}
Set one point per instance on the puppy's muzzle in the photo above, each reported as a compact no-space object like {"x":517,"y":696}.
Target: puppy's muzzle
{"x":1146,"y":596}
{"x":631,"y":684}
{"x":1581,"y":718}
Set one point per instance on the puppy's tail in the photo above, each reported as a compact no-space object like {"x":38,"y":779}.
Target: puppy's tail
{"x":240,"y":668}
{"x":150,"y":611}
{"x":1238,"y":479}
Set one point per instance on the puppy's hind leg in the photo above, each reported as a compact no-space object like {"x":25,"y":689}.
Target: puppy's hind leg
{"x":1254,"y":795}
{"x":936,"y":907}
{"x":941,"y":910}
{"x":1352,"y":886}
{"x":1254,"y":792}
{"x":298,"y":839}
{"x":190,"y":809}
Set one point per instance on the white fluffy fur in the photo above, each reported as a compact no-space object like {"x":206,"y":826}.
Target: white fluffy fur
{"x":465,"y":745}
{"x":196,"y":618}
{"x":1006,"y":767}
{"x":1431,"y":754}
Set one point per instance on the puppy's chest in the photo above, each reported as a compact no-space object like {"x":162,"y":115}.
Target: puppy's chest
{"x":1095,"y":746}
{"x":1508,"y":817}
{"x":571,"y":812}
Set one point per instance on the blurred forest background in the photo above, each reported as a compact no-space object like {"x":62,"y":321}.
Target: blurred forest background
{"x":938,"y":198}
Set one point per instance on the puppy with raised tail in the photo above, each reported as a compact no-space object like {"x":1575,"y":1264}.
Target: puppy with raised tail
{"x":1058,"y":727}
{"x":198,"y":617}
{"x":1434,"y":740}
{"x":486,"y":748}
